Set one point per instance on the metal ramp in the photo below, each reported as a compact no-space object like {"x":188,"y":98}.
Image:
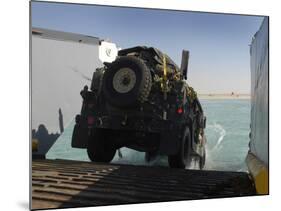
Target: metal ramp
{"x":65,"y":183}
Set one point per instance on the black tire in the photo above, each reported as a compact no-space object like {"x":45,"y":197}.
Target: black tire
{"x":79,"y":137}
{"x":202,"y":159}
{"x":100,"y":148}
{"x":183,"y":158}
{"x":136,"y":82}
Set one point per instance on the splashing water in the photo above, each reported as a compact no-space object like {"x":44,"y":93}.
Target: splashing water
{"x":221,"y":131}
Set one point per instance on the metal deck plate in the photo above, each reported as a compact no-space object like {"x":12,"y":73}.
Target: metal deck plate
{"x":65,"y":183}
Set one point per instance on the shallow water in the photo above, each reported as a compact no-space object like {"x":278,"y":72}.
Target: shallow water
{"x":227,"y":131}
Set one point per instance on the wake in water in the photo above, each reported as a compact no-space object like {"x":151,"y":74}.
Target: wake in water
{"x":215,"y":140}
{"x":132,"y":157}
{"x":218,"y":129}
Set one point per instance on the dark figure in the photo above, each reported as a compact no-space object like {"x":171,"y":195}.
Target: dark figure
{"x":45,"y":141}
{"x":61,"y":121}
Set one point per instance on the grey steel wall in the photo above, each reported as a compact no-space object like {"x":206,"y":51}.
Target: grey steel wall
{"x":60,"y":69}
{"x":259,"y":93}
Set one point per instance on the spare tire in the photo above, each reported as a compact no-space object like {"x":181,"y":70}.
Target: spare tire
{"x":126,"y":82}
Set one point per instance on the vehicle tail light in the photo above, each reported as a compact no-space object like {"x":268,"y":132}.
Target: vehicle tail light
{"x":179,"y":110}
{"x":90,"y":120}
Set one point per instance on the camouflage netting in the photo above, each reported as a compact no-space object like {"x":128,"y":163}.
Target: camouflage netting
{"x":191,"y":93}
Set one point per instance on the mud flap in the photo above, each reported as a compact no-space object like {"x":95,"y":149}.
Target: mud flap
{"x":79,"y":137}
{"x":170,"y":143}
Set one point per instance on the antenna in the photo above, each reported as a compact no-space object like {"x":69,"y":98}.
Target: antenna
{"x":184,"y":64}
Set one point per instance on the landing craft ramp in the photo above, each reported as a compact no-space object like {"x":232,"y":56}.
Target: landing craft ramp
{"x":65,"y":183}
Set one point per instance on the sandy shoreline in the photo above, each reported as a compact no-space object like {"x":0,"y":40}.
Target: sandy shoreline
{"x":224,"y":97}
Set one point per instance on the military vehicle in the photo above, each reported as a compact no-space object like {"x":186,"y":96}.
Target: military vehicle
{"x":142,"y":101}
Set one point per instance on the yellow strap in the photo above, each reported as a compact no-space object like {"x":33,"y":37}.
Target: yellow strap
{"x":165,"y":68}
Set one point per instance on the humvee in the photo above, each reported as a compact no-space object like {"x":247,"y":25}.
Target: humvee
{"x":142,"y":101}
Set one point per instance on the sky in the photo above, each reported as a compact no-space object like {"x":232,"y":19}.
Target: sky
{"x":219,"y":44}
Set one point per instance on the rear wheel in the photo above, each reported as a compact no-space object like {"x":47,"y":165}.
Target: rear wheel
{"x":202,"y":157}
{"x":202,"y":160}
{"x":100,"y":147}
{"x":183,"y":158}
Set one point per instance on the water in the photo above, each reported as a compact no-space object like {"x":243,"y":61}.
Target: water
{"x":227,"y":132}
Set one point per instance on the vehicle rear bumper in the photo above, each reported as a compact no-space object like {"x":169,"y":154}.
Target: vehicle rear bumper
{"x":169,"y":131}
{"x":135,"y":124}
